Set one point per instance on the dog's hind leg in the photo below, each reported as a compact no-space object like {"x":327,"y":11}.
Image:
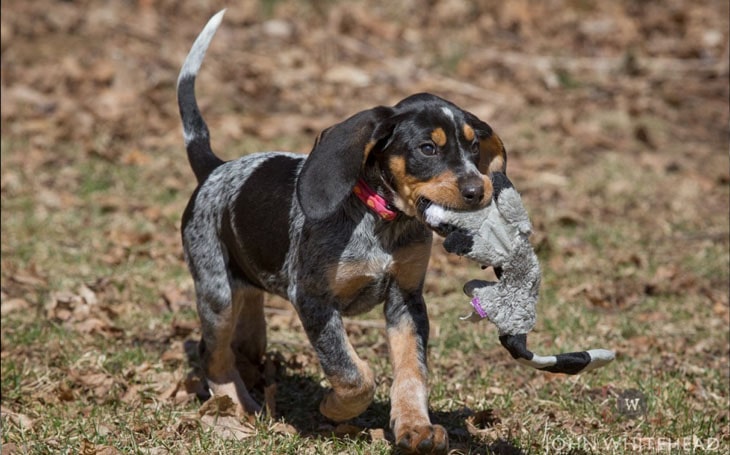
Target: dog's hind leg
{"x":218,"y":356}
{"x":249,"y":339}
{"x":219,"y":312}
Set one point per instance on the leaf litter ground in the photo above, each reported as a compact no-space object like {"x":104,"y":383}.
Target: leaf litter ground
{"x":615,"y":116}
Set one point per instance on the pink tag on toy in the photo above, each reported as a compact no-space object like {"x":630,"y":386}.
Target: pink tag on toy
{"x":478,"y":307}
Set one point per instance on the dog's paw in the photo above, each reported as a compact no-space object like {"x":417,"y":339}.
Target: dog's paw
{"x":424,"y":439}
{"x":339,"y":409}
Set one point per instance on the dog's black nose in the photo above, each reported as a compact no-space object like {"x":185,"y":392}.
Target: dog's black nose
{"x":473,"y":193}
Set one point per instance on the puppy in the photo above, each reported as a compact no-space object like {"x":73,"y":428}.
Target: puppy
{"x":336,"y":233}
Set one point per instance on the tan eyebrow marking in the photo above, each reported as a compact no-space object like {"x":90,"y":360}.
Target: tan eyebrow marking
{"x":438,"y":136}
{"x":468,"y":132}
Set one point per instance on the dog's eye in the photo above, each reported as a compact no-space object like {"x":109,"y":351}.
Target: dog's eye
{"x":427,"y":149}
{"x":475,"y":147}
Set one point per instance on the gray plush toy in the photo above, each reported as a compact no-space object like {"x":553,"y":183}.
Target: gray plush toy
{"x":497,"y":236}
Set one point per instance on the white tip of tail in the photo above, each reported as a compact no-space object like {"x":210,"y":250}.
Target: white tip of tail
{"x":197,"y":52}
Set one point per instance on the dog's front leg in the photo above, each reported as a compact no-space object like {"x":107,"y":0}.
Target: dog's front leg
{"x":407,"y":332}
{"x":352,"y":381}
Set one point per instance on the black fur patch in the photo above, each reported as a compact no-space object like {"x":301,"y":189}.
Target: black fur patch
{"x":201,"y":157}
{"x":261,"y":216}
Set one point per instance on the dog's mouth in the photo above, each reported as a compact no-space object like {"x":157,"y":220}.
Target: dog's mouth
{"x":422,"y":205}
{"x":432,"y":215}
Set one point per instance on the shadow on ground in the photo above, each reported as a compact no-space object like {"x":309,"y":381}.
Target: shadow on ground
{"x":297,"y":401}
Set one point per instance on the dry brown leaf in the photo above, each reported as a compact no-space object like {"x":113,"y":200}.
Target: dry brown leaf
{"x":347,"y":429}
{"x":182,"y":396}
{"x":228,"y":427}
{"x":11,"y":448}
{"x":721,"y":308}
{"x":92,"y":325}
{"x":100,"y":384}
{"x":131,"y":395}
{"x":182,"y":329}
{"x":284,"y":428}
{"x":349,"y":75}
{"x":128,"y":238}
{"x":27,"y":279}
{"x":376,"y":434}
{"x":89,"y":448}
{"x":87,"y":295}
{"x":82,"y":311}
{"x":11,"y":305}
{"x":299,"y":361}
{"x":136,"y":158}
{"x":493,"y":390}
{"x":220,"y":405}
{"x":481,"y":421}
{"x":65,"y":393}
{"x":17,"y":419}
{"x":175,"y":298}
{"x":222,"y":415}
{"x":174,"y":354}
{"x":59,"y":305}
{"x":168,"y":392}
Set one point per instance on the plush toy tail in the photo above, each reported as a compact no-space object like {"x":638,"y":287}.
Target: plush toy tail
{"x":568,"y":363}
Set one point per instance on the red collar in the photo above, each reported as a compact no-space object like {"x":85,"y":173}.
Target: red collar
{"x":373,"y":200}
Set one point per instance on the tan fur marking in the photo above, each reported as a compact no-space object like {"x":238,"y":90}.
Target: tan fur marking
{"x":368,"y":148}
{"x":249,"y":338}
{"x":221,"y":363}
{"x":438,"y":136}
{"x":488,"y":189}
{"x":346,"y":279}
{"x":492,"y":156}
{"x":397,"y":166}
{"x":442,"y":190}
{"x":403,"y":347}
{"x":220,"y":370}
{"x":409,"y":393}
{"x":221,"y":358}
{"x":468,"y":132}
{"x":410,"y":263}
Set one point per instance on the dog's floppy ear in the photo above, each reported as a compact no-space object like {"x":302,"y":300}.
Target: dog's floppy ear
{"x":493,"y":155}
{"x":334,"y":164}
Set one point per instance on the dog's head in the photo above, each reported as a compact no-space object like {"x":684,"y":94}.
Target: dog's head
{"x":424,"y":148}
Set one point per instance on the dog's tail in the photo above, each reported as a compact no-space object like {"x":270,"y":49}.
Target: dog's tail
{"x":195,"y":131}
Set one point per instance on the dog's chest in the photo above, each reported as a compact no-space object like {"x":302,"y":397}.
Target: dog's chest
{"x":359,"y":283}
{"x":347,"y":277}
